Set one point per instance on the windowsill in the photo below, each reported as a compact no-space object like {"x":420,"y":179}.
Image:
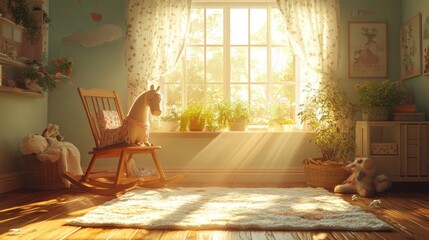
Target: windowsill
{"x":211,"y":134}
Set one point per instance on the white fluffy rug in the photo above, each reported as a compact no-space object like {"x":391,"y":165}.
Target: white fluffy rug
{"x":231,"y":208}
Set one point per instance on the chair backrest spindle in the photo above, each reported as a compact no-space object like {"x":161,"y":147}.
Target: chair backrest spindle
{"x":95,"y":100}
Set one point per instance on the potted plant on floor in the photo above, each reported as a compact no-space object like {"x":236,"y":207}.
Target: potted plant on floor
{"x":330,"y":116}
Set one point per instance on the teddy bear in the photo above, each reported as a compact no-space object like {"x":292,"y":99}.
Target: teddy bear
{"x":33,"y":144}
{"x":363,"y":179}
{"x":42,"y":145}
{"x":52,"y":133}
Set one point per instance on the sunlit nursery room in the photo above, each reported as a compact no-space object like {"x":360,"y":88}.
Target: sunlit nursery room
{"x":214,"y":119}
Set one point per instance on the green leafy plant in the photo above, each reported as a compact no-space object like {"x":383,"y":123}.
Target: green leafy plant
{"x":172,"y":114}
{"x":193,"y":117}
{"x":280,"y":114}
{"x":36,"y":71}
{"x":384,"y":93}
{"x":329,"y":114}
{"x":22,"y":14}
{"x":229,"y":112}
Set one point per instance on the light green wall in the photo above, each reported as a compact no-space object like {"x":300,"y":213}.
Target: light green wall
{"x":19,"y":116}
{"x":418,"y":85}
{"x":102,"y":66}
{"x":377,"y":11}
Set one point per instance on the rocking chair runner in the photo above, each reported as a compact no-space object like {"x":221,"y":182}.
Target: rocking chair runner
{"x":111,"y":183}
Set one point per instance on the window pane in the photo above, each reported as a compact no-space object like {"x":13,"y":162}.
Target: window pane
{"x":239,"y":26}
{"x":258,"y":103}
{"x":278,"y":32}
{"x":258,"y":67}
{"x":195,"y":93}
{"x":214,"y":64}
{"x":201,"y":77}
{"x":240,"y":92}
{"x":282,"y":69}
{"x":214,"y":23}
{"x":284,"y":99}
{"x":239,"y":64}
{"x":195,"y":65}
{"x":284,"y":93}
{"x":215,"y":93}
{"x":173,"y":95}
{"x":196,"y":31}
{"x":258,"y":26}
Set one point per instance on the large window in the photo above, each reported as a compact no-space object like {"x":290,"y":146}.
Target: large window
{"x":235,"y":53}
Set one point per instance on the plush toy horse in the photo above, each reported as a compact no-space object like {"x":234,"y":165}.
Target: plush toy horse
{"x":137,"y":121}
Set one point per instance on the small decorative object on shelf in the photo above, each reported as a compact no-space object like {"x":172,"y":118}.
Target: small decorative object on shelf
{"x":63,"y":65}
{"x":36,"y":74}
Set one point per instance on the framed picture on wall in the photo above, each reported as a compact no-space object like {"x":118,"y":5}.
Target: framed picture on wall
{"x":425,"y":43}
{"x":411,"y":45}
{"x":368,"y":49}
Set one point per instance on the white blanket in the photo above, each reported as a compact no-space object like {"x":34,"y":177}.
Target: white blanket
{"x":67,"y":154}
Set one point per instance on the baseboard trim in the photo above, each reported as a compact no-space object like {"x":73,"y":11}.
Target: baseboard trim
{"x":12,"y":181}
{"x":241,"y":175}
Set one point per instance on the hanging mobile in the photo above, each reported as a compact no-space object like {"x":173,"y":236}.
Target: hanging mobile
{"x":96,"y":17}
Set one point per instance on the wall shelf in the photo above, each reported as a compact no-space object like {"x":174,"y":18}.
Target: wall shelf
{"x":20,"y":91}
{"x":7,"y":61}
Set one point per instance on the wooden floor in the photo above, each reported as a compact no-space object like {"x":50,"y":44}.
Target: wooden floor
{"x":27,"y":214}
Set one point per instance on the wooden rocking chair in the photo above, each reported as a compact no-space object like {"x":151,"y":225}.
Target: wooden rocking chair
{"x":111,"y":183}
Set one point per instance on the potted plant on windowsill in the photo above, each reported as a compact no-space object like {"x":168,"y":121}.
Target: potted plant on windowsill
{"x":330,"y":116}
{"x":234,"y":115}
{"x":193,"y":117}
{"x":376,"y":99}
{"x":281,"y":112}
{"x":170,"y":118}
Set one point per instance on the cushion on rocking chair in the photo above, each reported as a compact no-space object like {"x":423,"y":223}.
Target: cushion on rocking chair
{"x":111,"y":129}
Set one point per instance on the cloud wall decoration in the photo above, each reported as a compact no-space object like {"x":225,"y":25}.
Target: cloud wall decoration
{"x":94,"y":37}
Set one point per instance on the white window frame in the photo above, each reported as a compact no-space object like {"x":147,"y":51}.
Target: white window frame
{"x":227,"y":6}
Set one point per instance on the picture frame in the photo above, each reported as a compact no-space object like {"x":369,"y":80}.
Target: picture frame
{"x":368,"y":49}
{"x":411,"y":48}
{"x":425,"y":45}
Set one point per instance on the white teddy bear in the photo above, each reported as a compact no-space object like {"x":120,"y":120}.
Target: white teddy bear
{"x":44,"y":146}
{"x":33,"y":144}
{"x":363,"y":179}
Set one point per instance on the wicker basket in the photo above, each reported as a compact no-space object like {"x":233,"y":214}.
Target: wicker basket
{"x":42,"y":175}
{"x":326,"y":176}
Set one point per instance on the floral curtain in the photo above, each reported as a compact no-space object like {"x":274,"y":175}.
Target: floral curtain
{"x":313,"y":29}
{"x":155,"y":39}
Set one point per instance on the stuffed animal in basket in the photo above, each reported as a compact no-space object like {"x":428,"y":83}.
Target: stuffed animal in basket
{"x":33,"y":144}
{"x":41,"y":145}
{"x":52,"y":133}
{"x":363,"y":179}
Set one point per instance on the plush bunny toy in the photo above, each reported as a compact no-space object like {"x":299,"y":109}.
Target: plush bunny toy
{"x":363,"y":179}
